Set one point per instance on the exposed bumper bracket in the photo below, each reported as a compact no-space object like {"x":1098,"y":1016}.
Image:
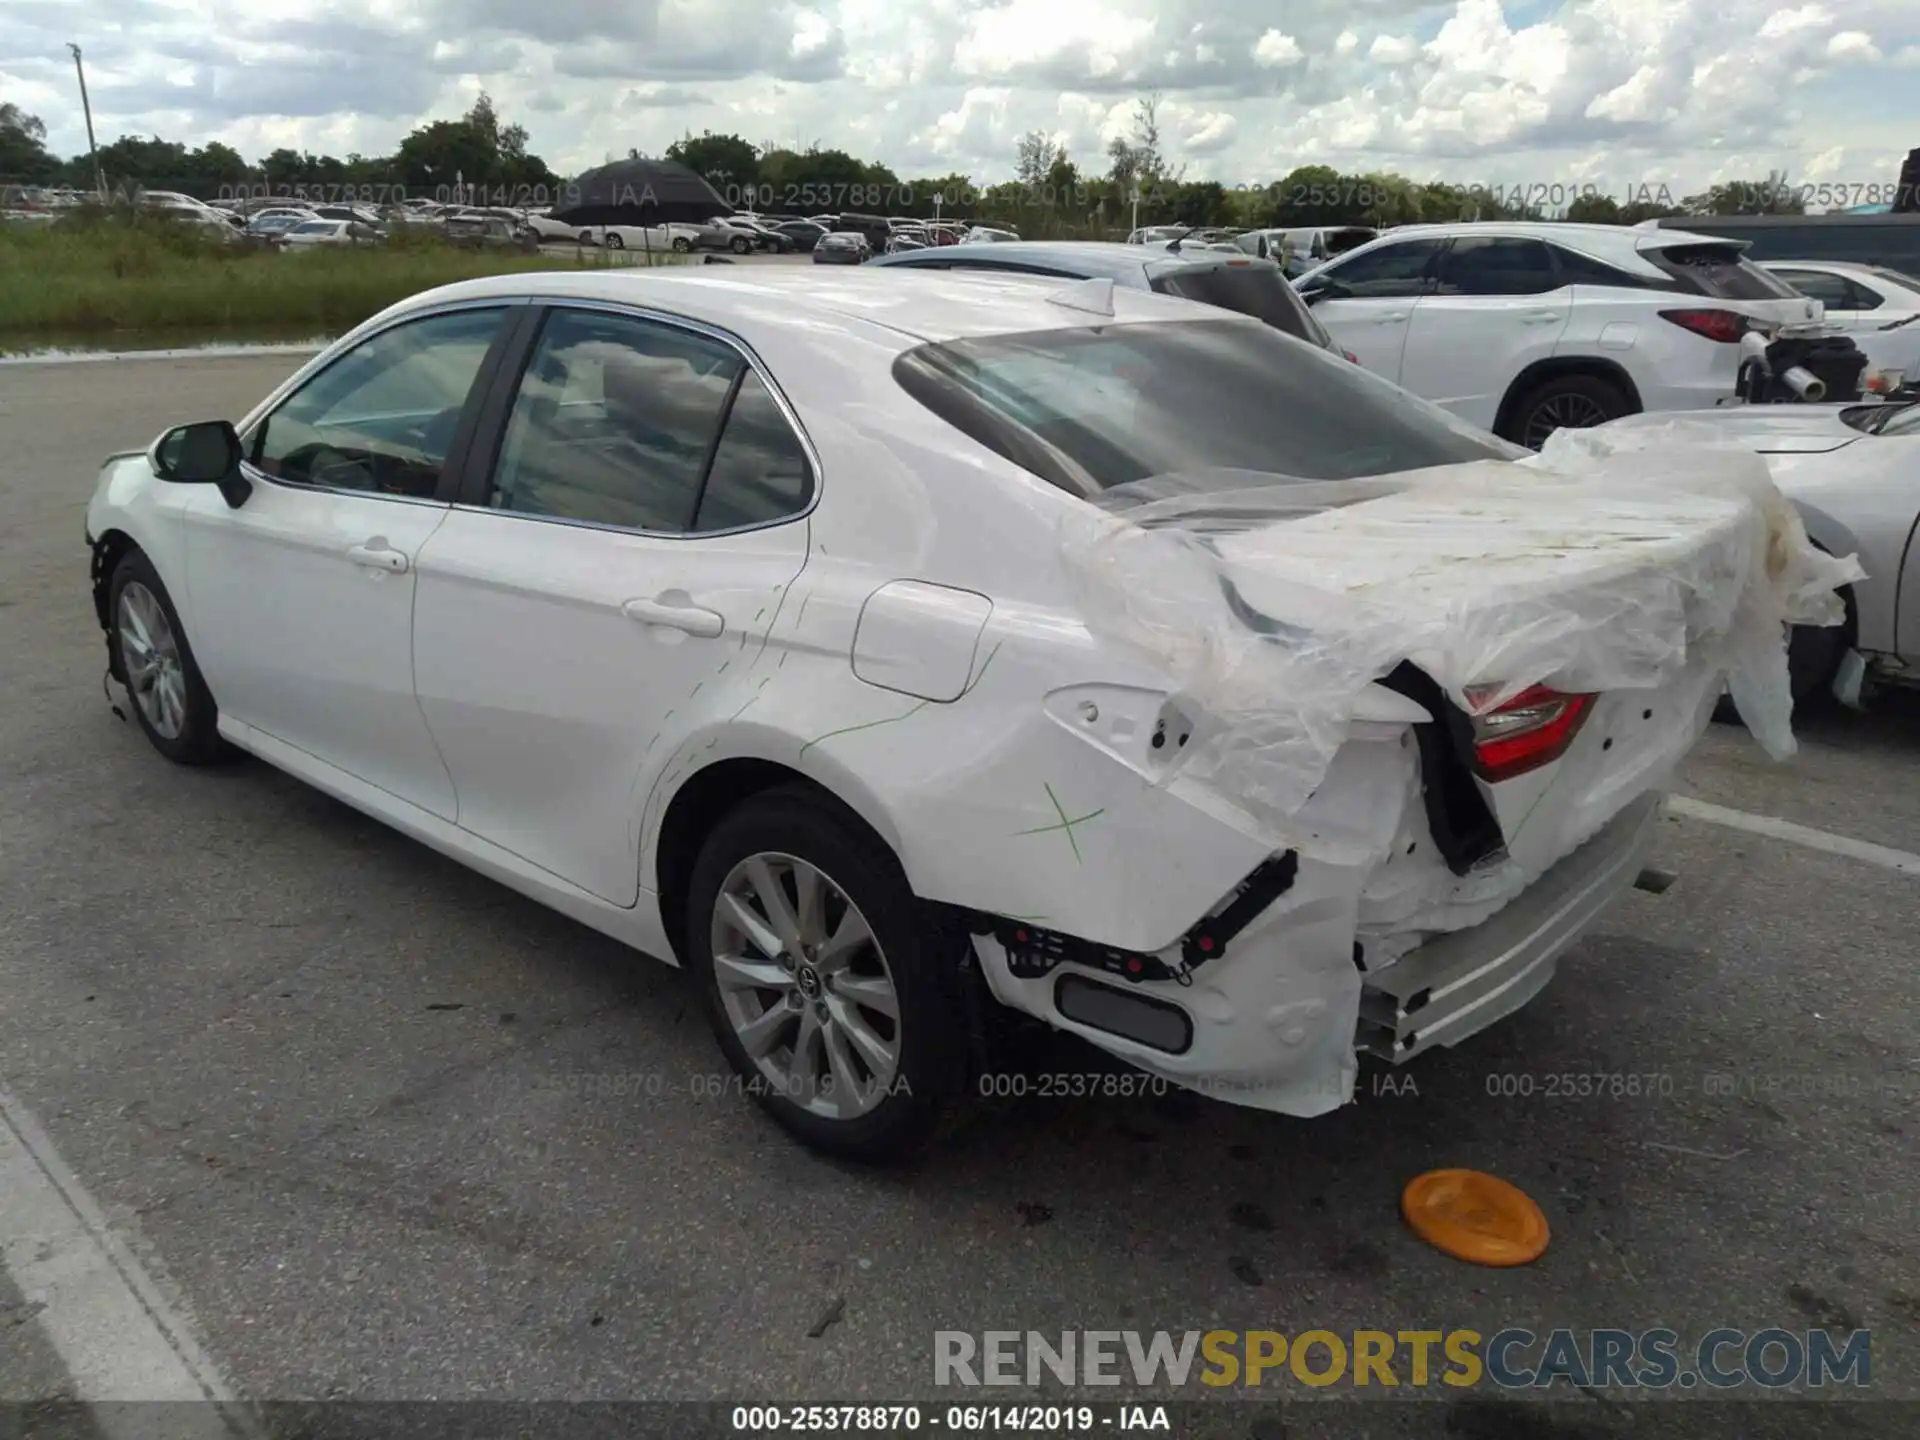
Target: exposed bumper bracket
{"x":1459,"y":983}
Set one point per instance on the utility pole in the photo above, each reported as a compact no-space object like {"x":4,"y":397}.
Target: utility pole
{"x":99,"y":176}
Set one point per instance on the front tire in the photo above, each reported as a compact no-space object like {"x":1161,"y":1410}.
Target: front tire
{"x":168,"y":695}
{"x":1566,"y":402}
{"x":836,"y":1000}
{"x":740,"y":245}
{"x":682,"y":244}
{"x":614,"y":242}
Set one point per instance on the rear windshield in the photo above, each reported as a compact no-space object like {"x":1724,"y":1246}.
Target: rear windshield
{"x":1261,"y":292}
{"x":1721,"y":271}
{"x":1094,"y":409}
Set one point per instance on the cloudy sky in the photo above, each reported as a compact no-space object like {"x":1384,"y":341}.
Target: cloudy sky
{"x":1614,"y":93}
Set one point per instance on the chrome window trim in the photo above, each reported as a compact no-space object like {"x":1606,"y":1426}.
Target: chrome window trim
{"x":709,"y":332}
{"x":331,"y":356}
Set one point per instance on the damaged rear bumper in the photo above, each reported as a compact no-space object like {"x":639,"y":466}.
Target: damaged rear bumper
{"x":1279,"y":1020}
{"x":1459,"y":983}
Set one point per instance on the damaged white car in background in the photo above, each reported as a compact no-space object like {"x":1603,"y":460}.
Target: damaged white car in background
{"x":863,"y":644}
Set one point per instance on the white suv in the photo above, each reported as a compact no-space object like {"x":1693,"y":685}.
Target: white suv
{"x":1525,"y":328}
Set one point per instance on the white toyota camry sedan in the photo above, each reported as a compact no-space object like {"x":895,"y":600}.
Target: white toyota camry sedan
{"x":875,"y":647}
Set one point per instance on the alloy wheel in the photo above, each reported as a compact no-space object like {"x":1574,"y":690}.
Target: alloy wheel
{"x":156,"y":677}
{"x":1566,"y":411}
{"x":805,"y":986}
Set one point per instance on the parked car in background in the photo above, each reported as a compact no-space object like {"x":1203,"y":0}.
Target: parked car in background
{"x":760,"y":236}
{"x":547,"y":228}
{"x":801,"y":234}
{"x":1853,"y":472}
{"x":673,"y":235}
{"x":1526,"y":327}
{"x":1879,"y":308}
{"x":754,"y":720}
{"x":1156,"y":234}
{"x":842,"y":247}
{"x":314,"y":233}
{"x":1302,"y":249}
{"x":987,"y":235}
{"x":1233,"y":282}
{"x":272,"y":225}
{"x":489,"y":232}
{"x":1890,"y":240}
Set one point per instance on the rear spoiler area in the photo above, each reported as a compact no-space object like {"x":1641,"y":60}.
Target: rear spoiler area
{"x":1279,"y":614}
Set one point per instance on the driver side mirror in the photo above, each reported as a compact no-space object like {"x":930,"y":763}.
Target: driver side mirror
{"x":207,"y":453}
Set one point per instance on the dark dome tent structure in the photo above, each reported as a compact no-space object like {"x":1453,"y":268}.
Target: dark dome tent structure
{"x":639,"y":192}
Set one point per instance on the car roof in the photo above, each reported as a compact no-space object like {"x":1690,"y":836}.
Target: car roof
{"x":1569,"y":232}
{"x":1089,"y":259}
{"x":931,"y":307}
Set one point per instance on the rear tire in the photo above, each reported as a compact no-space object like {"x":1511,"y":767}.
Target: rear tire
{"x":1814,"y":653}
{"x":788,"y":1022}
{"x":1564,"y":402}
{"x":740,"y":245}
{"x":165,"y":690}
{"x":682,"y":244}
{"x":614,"y":242}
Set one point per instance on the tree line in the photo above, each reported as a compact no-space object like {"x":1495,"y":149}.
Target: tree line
{"x":1051,"y":191}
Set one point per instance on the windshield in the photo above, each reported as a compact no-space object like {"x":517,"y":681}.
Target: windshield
{"x":1893,"y":417}
{"x":1722,"y":271}
{"x":1094,"y":409}
{"x":1259,"y":291}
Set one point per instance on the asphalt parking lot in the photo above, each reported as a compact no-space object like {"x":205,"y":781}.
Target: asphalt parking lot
{"x":375,"y":1127}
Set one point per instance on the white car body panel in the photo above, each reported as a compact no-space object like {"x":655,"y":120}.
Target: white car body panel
{"x":1467,"y":352}
{"x":531,"y":696}
{"x":1857,"y":493}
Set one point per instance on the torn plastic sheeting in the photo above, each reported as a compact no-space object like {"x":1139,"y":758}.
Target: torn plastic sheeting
{"x":1270,"y":604}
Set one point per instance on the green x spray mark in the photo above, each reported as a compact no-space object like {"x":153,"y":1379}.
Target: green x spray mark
{"x":1065,"y":824}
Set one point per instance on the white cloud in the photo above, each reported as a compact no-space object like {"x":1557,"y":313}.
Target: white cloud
{"x":1275,"y":50}
{"x":1853,"y":45}
{"x":1618,"y":92}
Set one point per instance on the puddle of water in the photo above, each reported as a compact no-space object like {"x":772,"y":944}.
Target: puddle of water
{"x":154,"y":345}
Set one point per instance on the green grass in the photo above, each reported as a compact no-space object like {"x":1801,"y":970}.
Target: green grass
{"x":100,"y":277}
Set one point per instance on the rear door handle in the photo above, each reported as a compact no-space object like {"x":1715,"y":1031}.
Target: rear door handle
{"x":1542,"y":317}
{"x":678,"y":615}
{"x":376,"y":554}
{"x":1393,"y":319}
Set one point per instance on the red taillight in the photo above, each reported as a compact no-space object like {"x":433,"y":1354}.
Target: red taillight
{"x":1532,"y":729}
{"x":1724,"y":326}
{"x":1351,"y":356}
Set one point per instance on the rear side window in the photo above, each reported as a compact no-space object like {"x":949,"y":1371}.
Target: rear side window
{"x":1497,"y":265}
{"x":1721,"y":271}
{"x":1578,"y":269}
{"x":759,"y":472}
{"x":1260,"y":292}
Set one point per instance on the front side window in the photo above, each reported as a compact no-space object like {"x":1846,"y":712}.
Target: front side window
{"x":382,"y":417}
{"x":1496,"y":265}
{"x":1391,"y":272}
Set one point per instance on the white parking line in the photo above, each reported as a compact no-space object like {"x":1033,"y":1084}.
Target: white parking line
{"x":1901,"y":861}
{"x":99,"y":1309}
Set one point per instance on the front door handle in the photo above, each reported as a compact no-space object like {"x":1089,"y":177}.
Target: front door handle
{"x":1394,"y":319}
{"x":376,"y":554}
{"x":677,"y":615}
{"x":1543,"y":317}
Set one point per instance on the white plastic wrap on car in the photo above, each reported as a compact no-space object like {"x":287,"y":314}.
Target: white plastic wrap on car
{"x":1602,"y":565}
